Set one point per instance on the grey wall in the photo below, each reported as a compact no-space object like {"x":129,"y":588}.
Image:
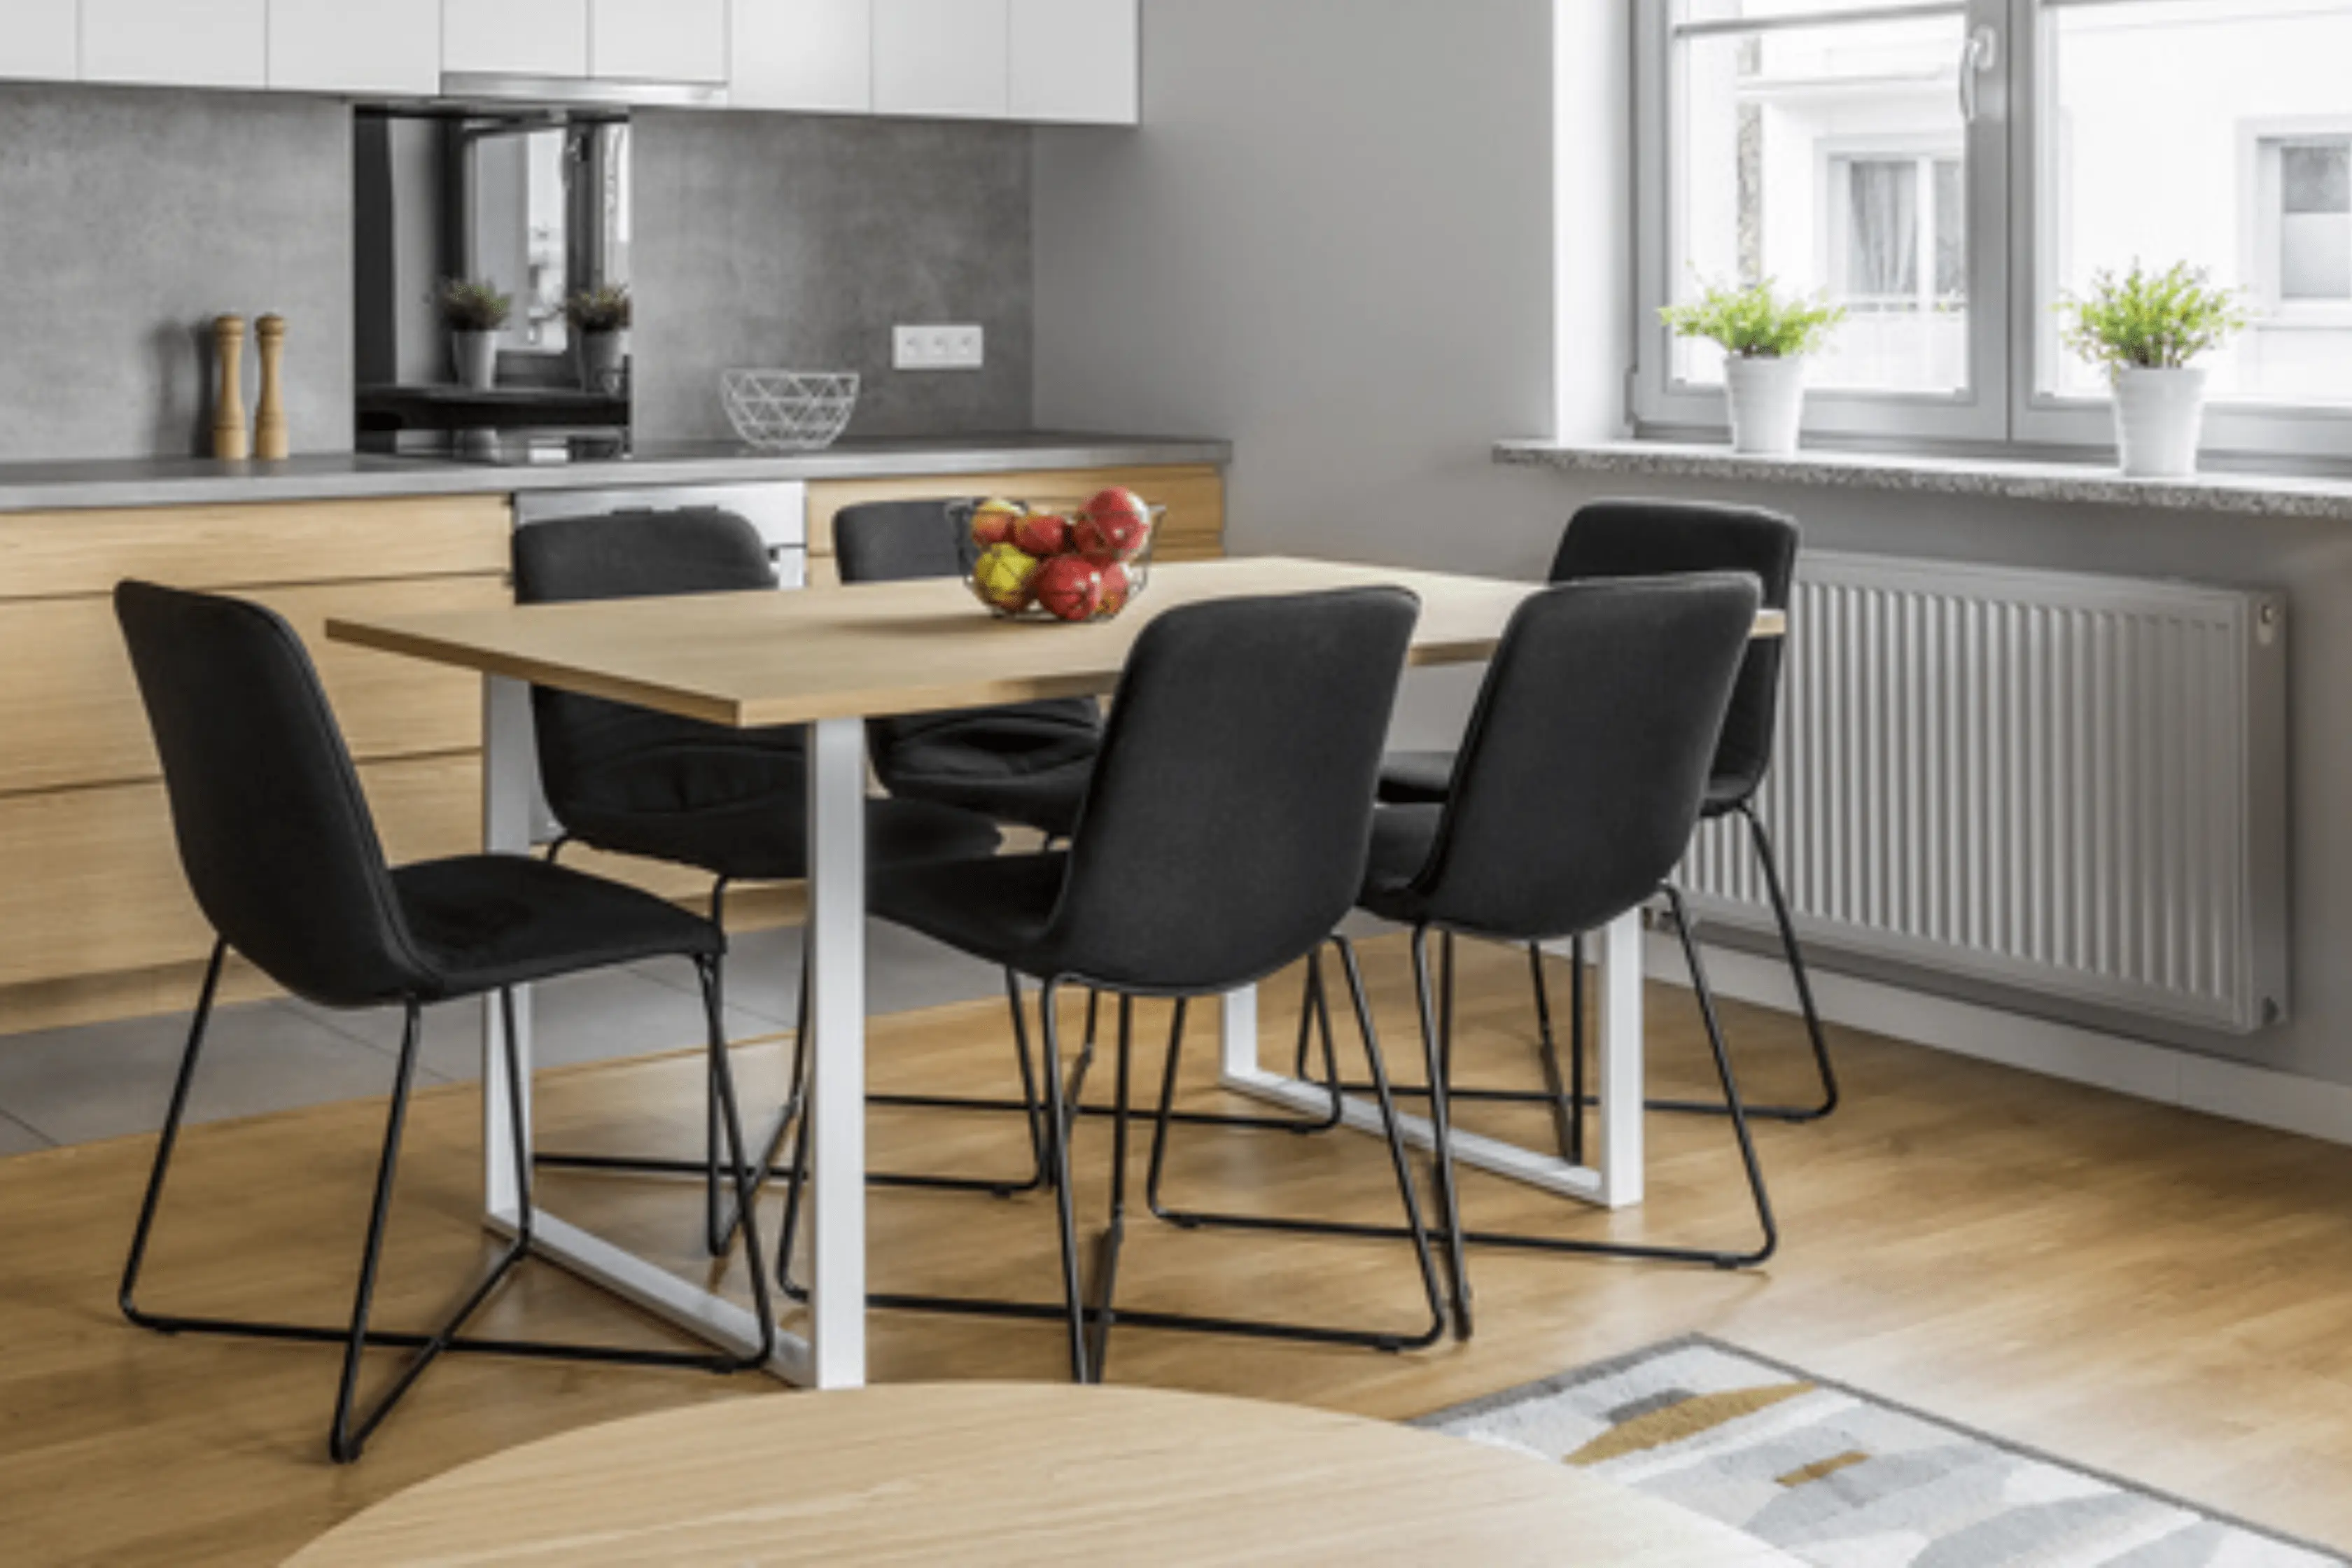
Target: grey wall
{"x":1334,"y":242}
{"x":128,"y":218}
{"x":797,"y":243}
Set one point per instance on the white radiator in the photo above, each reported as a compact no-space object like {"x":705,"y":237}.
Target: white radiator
{"x":2067,"y":793}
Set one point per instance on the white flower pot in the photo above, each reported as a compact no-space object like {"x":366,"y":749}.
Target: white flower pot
{"x":476,"y":358}
{"x":604,"y":357}
{"x":1768,"y":404}
{"x":2159,"y":417}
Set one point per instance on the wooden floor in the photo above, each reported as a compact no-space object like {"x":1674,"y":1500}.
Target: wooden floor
{"x":2142,"y":1291}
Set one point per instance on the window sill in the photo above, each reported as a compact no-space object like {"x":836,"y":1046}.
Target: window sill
{"x":2076,"y":484}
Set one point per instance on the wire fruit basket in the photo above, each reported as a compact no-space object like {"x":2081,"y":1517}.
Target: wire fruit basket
{"x":1059,"y":561}
{"x":788,"y":410}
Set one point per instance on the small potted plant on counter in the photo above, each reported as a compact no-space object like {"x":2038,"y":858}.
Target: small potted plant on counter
{"x":2143,"y":328}
{"x":1765,"y":340}
{"x":599,"y":319}
{"x":473,"y":312}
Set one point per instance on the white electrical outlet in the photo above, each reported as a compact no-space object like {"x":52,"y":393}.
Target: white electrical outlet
{"x":939,"y":348}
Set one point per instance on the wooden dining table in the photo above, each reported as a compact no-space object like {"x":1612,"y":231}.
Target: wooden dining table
{"x":832,"y":658}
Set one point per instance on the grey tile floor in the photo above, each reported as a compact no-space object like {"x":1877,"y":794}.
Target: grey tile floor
{"x":105,"y":1080}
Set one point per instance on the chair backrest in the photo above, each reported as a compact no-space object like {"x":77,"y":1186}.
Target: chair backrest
{"x":1582,"y":775}
{"x":1661,"y":539}
{"x":1227,"y":829}
{"x":896,"y":541}
{"x":900,"y":541}
{"x":274,"y":833}
{"x":632,"y":555}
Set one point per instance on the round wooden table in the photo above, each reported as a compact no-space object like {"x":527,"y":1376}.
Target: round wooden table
{"x":1027,"y":1473}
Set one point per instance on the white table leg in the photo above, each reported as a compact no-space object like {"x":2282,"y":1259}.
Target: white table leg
{"x":836,"y":935}
{"x":1621,"y":1076}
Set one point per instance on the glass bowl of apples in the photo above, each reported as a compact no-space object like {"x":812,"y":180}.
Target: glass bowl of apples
{"x":1059,"y":561}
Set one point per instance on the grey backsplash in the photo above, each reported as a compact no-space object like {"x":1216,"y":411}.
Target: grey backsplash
{"x":797,"y":242}
{"x":129,"y":219}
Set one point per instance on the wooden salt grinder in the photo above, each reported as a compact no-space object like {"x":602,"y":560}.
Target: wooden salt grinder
{"x":269,"y":440}
{"x":228,"y":412}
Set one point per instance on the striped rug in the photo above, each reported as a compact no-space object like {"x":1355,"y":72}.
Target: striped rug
{"x":1835,"y":1478}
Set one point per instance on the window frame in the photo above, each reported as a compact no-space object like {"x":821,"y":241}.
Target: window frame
{"x":2012,"y":202}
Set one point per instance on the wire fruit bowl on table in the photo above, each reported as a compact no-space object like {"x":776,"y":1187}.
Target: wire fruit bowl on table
{"x":788,"y":410}
{"x":1059,"y":561}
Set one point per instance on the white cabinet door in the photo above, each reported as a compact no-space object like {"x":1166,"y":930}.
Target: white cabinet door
{"x":658,"y":40}
{"x":332,"y":46}
{"x":176,"y":43}
{"x":942,"y":59}
{"x":40,"y":41}
{"x":1076,"y":60}
{"x":515,"y":37}
{"x":811,"y":55}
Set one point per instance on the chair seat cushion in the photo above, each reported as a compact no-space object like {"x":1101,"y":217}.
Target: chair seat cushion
{"x":1014,"y":765}
{"x":1416,"y":778}
{"x":742,"y":813}
{"x":994,"y":909}
{"x":482,"y":921}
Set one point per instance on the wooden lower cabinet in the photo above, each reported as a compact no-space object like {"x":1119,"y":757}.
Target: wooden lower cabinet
{"x":1195,"y":495}
{"x":94,"y":883}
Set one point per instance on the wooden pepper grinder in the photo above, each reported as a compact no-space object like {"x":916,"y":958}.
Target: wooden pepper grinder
{"x":269,"y":440}
{"x":228,"y":410}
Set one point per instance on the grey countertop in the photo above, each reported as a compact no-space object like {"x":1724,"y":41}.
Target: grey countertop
{"x":2246,"y":495}
{"x":192,"y":481}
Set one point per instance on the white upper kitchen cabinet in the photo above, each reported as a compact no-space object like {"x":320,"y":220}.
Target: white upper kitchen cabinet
{"x":942,"y":59}
{"x":658,"y":40}
{"x":811,"y":55}
{"x":40,"y":41}
{"x":176,"y":43}
{"x":333,"y":45}
{"x":515,"y":37}
{"x":1076,"y":60}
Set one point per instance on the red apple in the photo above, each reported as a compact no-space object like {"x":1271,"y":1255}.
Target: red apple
{"x":1070,"y":587}
{"x":1117,"y":587}
{"x":993,"y":522}
{"x":1114,"y":526}
{"x":1043,"y":533}
{"x":1004,"y":577}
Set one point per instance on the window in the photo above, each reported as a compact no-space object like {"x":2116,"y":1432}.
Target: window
{"x":1950,"y":170}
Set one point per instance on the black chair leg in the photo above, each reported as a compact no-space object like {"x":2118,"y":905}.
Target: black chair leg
{"x":1057,"y":1131}
{"x":350,"y":1430}
{"x":1189,"y":1219}
{"x":1567,"y":1113}
{"x":1735,"y":1109}
{"x":1769,"y":863}
{"x":1435,"y":1048}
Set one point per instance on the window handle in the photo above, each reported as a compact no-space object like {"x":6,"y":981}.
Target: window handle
{"x":1979,"y":54}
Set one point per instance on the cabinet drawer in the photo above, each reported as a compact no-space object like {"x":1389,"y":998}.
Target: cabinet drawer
{"x":94,"y":883}
{"x":52,"y":554}
{"x":1193,"y":529}
{"x":72,"y":713}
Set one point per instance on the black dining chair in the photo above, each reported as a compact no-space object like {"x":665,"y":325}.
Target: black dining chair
{"x":1026,"y":763}
{"x":1580,"y":779}
{"x":732,"y":802}
{"x":1223,"y":839}
{"x":1658,"y":539}
{"x":281,"y":854}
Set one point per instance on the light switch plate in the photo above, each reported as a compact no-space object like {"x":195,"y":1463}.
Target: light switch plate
{"x":939,"y":348}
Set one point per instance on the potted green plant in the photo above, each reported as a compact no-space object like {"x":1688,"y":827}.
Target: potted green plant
{"x":599,"y":319}
{"x":473,"y":312}
{"x":2143,"y":329}
{"x":1765,"y":340}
